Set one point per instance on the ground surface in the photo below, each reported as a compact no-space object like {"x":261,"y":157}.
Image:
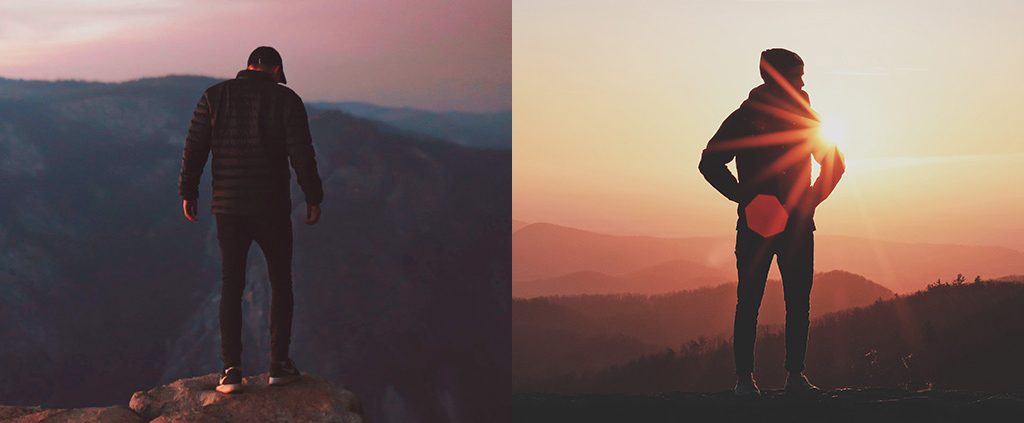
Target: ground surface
{"x":194,"y":400}
{"x":840,"y":405}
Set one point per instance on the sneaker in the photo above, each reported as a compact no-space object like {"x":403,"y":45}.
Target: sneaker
{"x":283,"y":372}
{"x":746,"y":388}
{"x":798,"y":383}
{"x":230,"y":380}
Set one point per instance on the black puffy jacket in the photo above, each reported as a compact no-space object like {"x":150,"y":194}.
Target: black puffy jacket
{"x":253,"y":126}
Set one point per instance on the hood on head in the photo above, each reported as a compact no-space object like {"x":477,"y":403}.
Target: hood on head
{"x":776,"y":96}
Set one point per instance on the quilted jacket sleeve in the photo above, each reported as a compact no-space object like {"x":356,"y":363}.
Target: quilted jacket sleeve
{"x":196,"y":152}
{"x":300,"y":151}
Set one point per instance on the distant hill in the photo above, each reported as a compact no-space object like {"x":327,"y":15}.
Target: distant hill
{"x":518,"y":224}
{"x":560,"y":335}
{"x":948,"y":337}
{"x":673,"y":275}
{"x":480,"y":130}
{"x":483,"y":130}
{"x":544,"y":250}
{"x":909,"y":267}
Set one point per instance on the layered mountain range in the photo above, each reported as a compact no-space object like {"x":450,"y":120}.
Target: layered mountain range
{"x":486,"y":130}
{"x":401,"y":290}
{"x":562,"y":335}
{"x":596,"y":313}
{"x":547,"y":260}
{"x":959,"y":335}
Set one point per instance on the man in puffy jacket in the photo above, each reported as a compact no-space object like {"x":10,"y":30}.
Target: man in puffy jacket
{"x":254,"y":126}
{"x":772,"y":136}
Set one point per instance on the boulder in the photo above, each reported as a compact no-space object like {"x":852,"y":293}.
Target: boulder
{"x":310,"y":399}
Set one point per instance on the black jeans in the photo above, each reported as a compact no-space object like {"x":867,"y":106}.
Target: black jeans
{"x":235,"y":234}
{"x":795,"y":251}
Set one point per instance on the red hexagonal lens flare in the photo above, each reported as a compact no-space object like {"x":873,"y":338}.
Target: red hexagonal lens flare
{"x":766,"y":216}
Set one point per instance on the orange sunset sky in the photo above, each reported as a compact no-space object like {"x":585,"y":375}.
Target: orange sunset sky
{"x":614,"y":102}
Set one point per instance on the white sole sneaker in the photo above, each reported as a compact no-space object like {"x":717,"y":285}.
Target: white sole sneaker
{"x":283,"y":380}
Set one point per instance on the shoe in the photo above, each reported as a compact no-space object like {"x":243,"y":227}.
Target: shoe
{"x":798,"y":383}
{"x":230,"y":380}
{"x":746,"y":388}
{"x":283,"y":372}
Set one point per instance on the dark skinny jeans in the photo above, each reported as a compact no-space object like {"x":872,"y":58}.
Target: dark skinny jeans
{"x":273,"y":233}
{"x":795,"y":251}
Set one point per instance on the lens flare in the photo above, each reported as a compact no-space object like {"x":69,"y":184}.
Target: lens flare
{"x":832,"y":131}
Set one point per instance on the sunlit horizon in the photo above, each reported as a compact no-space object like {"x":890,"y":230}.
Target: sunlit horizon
{"x":613,"y":114}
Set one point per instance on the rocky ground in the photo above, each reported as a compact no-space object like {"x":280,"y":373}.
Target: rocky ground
{"x":311,"y":399}
{"x":840,"y":405}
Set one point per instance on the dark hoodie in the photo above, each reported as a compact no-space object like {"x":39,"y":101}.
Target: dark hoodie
{"x":772,"y":137}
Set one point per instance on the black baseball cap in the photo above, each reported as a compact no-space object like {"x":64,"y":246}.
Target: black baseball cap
{"x":267,"y":56}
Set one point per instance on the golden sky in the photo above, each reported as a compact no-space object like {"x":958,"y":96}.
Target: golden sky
{"x":615,"y":100}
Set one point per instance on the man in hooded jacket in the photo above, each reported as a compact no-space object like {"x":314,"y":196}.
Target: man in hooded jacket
{"x":773,"y":136}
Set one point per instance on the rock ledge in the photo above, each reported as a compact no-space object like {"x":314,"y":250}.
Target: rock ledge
{"x":310,"y":399}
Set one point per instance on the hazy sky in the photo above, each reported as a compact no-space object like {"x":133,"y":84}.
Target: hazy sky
{"x":615,"y":101}
{"x":434,"y":54}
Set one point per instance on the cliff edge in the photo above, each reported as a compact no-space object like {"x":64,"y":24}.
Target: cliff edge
{"x":310,"y":399}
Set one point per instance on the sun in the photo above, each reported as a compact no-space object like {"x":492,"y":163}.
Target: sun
{"x":832,"y":131}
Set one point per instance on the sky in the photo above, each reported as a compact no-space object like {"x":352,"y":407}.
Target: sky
{"x":616,"y":100}
{"x":431,"y":54}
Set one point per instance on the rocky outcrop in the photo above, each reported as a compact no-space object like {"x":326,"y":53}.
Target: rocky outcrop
{"x":310,"y":399}
{"x":114,"y":414}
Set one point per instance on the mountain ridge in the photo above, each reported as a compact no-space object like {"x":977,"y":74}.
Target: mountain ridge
{"x":560,"y":335}
{"x":950,"y":336}
{"x":669,"y":276}
{"x":472,"y":129}
{"x":543,"y":250}
{"x":483,"y":130}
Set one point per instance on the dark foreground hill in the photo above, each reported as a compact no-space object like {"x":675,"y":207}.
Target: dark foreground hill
{"x":310,"y":399}
{"x":584,"y":333}
{"x":837,"y":406}
{"x":401,"y":290}
{"x":951,"y":336}
{"x":670,"y":276}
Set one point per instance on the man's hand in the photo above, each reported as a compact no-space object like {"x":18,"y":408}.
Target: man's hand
{"x":189,"y":208}
{"x":312,"y":214}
